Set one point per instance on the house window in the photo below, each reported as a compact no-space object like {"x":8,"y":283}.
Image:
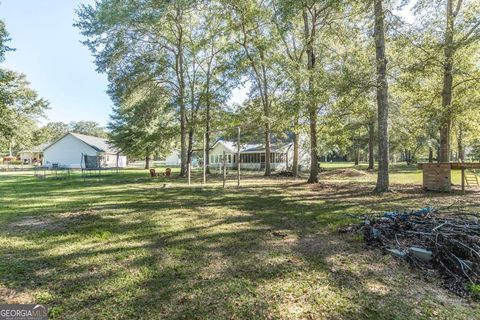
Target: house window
{"x":229,"y":158}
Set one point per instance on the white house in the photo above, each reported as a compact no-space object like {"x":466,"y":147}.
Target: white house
{"x":173,"y":159}
{"x":76,"y":150}
{"x":33,"y":155}
{"x":252,"y":156}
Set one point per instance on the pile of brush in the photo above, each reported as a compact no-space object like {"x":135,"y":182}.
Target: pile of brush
{"x":428,"y":240}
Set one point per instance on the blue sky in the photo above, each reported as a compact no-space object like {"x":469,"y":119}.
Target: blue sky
{"x":49,"y":52}
{"x":58,"y":66}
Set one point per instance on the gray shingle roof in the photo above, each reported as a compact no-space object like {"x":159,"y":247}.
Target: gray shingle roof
{"x":99,"y":144}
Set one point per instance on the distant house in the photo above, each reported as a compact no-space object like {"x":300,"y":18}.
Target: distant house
{"x":75,"y":150}
{"x":252,"y":156}
{"x":33,"y":155}
{"x":173,"y":159}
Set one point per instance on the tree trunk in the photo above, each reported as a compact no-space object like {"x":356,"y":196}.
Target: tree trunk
{"x":383,"y":183}
{"x":371,"y":142}
{"x":207,"y":129}
{"x":445,"y":127}
{"x":147,"y":160}
{"x":190,"y":146}
{"x":183,"y":142}
{"x":295,"y":147}
{"x":461,"y":150}
{"x":357,"y":155}
{"x":268,"y":169}
{"x":312,"y":108}
{"x":313,"y":147}
{"x":266,"y":113}
{"x":181,"y":95}
{"x":430,"y":154}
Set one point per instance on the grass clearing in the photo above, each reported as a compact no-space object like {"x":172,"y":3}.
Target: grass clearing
{"x":123,"y":247}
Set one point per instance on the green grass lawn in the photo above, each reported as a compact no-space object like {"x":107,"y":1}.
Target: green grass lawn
{"x":128,"y":247}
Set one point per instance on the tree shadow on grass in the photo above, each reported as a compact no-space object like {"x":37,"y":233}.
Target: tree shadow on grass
{"x":260,"y":252}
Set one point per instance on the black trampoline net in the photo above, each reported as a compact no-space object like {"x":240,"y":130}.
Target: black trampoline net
{"x":91,"y":162}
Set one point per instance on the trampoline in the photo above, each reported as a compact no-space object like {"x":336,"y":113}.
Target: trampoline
{"x":95,"y":166}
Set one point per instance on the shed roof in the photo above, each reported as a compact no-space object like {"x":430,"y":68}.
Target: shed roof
{"x":97,"y":143}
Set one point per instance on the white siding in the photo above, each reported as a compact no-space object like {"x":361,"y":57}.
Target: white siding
{"x":110,"y":160}
{"x":67,"y":152}
{"x":173,"y":159}
{"x":216,"y":153}
{"x":216,"y":156}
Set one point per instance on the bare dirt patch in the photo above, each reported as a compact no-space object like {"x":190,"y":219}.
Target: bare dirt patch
{"x":76,"y":216}
{"x":10,"y":296}
{"x":37,"y":223}
{"x":345,"y":173}
{"x":57,"y":223}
